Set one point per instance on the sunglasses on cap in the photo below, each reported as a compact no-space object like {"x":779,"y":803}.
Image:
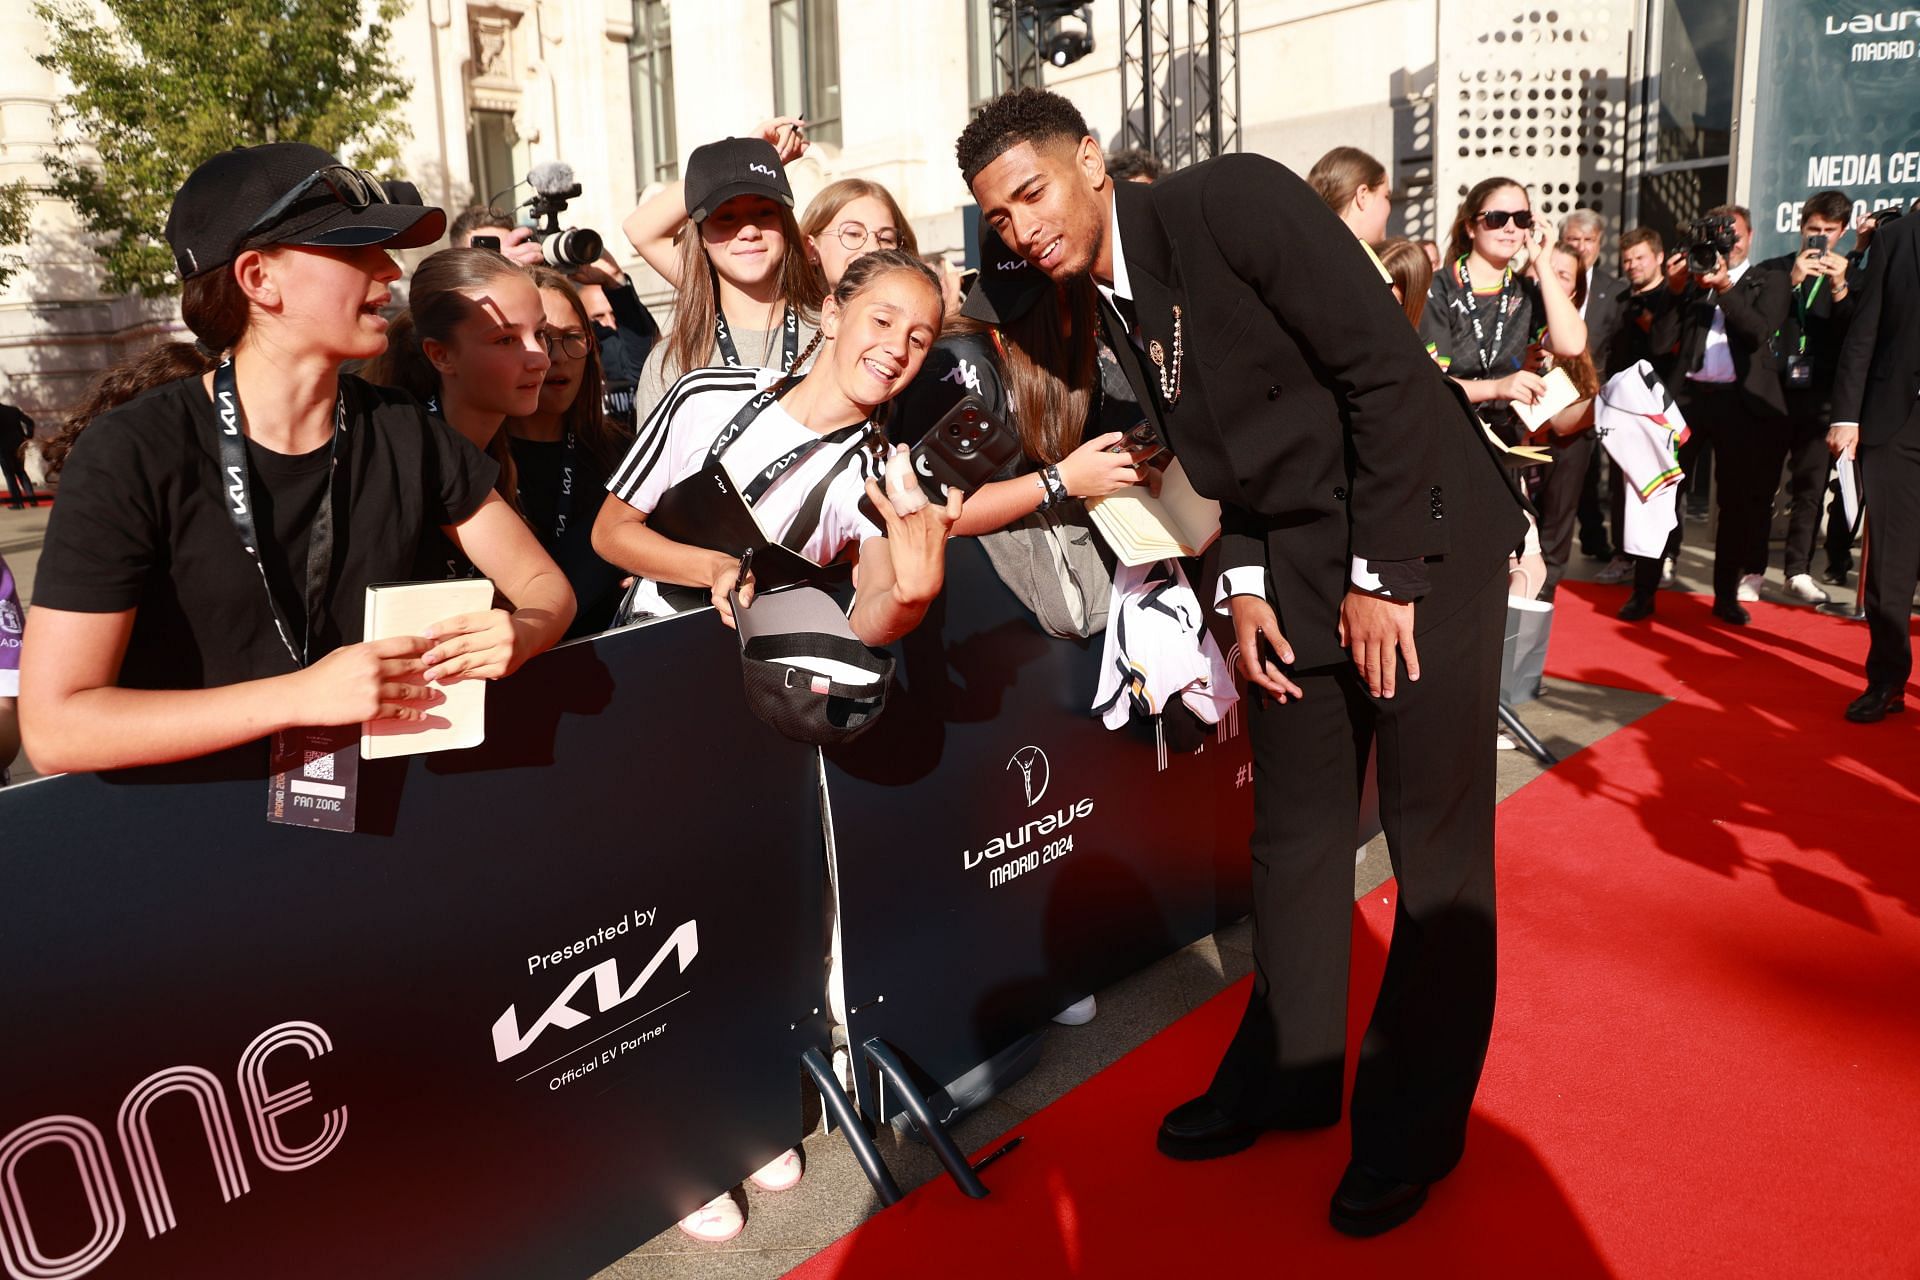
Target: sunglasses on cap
{"x":354,"y":188}
{"x":1498,"y":218}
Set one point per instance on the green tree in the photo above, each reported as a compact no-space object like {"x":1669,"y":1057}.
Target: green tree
{"x":14,"y":202}
{"x":167,"y":83}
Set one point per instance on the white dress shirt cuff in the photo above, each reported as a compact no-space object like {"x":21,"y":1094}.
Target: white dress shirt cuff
{"x":1245,"y":580}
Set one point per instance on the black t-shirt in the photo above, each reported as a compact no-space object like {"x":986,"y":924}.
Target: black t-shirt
{"x":596,"y":584}
{"x":1510,"y":320}
{"x":967,"y":363}
{"x":142,"y":524}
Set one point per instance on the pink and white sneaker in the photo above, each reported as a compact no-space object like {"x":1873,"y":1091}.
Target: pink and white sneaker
{"x":782,"y":1173}
{"x":715,"y":1222}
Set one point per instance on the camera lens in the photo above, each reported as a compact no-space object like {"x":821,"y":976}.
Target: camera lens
{"x":573,"y":247}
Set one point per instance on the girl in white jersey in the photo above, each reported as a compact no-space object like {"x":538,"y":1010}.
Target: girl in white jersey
{"x":801,"y":454}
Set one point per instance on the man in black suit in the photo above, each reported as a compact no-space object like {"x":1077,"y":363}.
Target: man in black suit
{"x":1365,"y":524}
{"x":16,"y":429}
{"x":1585,"y":232}
{"x":1876,"y":410}
{"x":1728,"y":389}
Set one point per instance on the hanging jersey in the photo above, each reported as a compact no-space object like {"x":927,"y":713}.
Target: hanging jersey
{"x":676,"y":441}
{"x":1642,"y":430}
{"x":1158,"y":649}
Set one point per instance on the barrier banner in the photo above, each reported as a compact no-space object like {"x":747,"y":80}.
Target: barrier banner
{"x":548,"y":1000}
{"x":1000,"y":853}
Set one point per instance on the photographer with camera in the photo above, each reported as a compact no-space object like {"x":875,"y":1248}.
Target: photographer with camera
{"x":1722,"y":321}
{"x":1809,"y":344}
{"x":623,"y":327}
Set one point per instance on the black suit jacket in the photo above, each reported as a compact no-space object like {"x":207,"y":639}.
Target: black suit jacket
{"x":1879,"y":373}
{"x":1605,"y":294}
{"x":1306,"y":404}
{"x":1755,"y":308}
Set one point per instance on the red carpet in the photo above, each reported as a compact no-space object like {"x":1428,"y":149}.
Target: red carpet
{"x":1707,"y":1056}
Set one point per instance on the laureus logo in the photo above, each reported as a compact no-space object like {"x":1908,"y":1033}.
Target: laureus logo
{"x":1035,"y":772}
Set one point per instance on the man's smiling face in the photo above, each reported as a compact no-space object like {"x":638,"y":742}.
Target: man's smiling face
{"x":1048,"y":202}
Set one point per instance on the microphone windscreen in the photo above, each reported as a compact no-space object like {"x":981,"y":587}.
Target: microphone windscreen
{"x":550,"y":176}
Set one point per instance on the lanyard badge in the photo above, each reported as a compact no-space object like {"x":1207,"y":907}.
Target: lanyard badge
{"x":315,"y":772}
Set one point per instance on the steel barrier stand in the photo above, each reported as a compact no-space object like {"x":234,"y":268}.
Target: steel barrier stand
{"x":1524,"y":736}
{"x":840,"y":1109}
{"x":881,"y":1054}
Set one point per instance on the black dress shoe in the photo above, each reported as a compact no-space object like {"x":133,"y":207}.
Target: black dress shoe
{"x":1197,"y":1130}
{"x":1835,"y":577}
{"x":1368,"y":1203}
{"x":1877,"y":703}
{"x":1732,"y":611}
{"x":1637,"y":607}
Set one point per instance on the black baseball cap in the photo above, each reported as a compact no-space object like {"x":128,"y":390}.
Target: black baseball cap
{"x":215,"y":212}
{"x":719,"y":171}
{"x":1007,"y":286}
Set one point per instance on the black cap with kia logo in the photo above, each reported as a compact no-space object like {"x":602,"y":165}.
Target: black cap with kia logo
{"x":290,"y":193}
{"x":719,"y":171}
{"x":1007,"y":286}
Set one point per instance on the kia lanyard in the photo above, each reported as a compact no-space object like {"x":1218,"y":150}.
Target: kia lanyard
{"x":730,"y":354}
{"x":314,"y":771}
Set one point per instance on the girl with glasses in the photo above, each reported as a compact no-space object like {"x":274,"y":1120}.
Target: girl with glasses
{"x":224,"y":505}
{"x":564,"y":451}
{"x":1489,"y":303}
{"x":848,"y":218}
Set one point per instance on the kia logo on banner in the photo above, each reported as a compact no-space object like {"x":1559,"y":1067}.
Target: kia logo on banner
{"x":1035,"y":772}
{"x":608,"y":993}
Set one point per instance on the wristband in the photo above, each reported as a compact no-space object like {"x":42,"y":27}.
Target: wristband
{"x":1046,"y":494}
{"x":1056,"y":487}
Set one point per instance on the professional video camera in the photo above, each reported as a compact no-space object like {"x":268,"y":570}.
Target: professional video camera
{"x":1709,"y":240}
{"x":565,"y":248}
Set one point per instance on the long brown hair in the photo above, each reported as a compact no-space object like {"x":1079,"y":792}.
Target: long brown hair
{"x":586,"y":417}
{"x":826,"y":206}
{"x":1412,"y":274}
{"x":1050,"y":360}
{"x":214,"y":308}
{"x":436,"y":304}
{"x":696,"y":306}
{"x":1459,"y":241}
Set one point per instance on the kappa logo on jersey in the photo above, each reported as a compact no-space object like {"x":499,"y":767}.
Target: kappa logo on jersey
{"x":759,"y":168}
{"x":10,"y":619}
{"x":508,"y":1040}
{"x":967,"y":375}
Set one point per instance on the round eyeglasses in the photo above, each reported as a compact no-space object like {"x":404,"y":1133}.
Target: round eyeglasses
{"x":570,"y":341}
{"x":854,"y":235}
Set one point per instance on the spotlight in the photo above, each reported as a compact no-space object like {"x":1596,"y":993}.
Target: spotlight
{"x":1065,"y":47}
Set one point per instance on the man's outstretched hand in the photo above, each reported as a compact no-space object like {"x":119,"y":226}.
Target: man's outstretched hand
{"x":1373,"y":630}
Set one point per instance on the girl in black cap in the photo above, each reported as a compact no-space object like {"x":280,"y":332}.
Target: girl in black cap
{"x":224,"y":505}
{"x":744,"y":289}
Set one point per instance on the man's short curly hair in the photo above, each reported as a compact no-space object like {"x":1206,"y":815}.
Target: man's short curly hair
{"x":1023,"y":115}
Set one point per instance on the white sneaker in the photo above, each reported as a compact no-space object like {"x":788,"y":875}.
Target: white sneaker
{"x":1667,"y":576}
{"x":1503,"y":742}
{"x":715,"y":1222}
{"x":1618,"y":569}
{"x":782,"y":1173}
{"x":1749,"y":588}
{"x":1802,"y":587}
{"x":1077,"y":1014}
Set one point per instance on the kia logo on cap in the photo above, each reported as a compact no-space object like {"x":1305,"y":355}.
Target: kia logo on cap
{"x":759,"y":168}
{"x":1035,"y":772}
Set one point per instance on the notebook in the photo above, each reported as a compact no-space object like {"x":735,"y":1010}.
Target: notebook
{"x":408,"y":609}
{"x":1560,"y":393}
{"x":1142,"y":528}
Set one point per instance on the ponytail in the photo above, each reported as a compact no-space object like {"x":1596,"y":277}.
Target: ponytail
{"x":216,"y":311}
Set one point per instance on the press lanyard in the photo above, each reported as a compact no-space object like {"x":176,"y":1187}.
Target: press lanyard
{"x":744,"y":417}
{"x":1805,"y":306}
{"x":1473,"y":313}
{"x":233,"y":461}
{"x":730,"y":354}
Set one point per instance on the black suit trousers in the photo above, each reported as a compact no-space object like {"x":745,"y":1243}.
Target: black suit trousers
{"x":1749,"y":451}
{"x":1427,"y":1040}
{"x":1890,"y":474}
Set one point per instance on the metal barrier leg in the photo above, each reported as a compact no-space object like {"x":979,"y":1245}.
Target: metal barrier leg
{"x":834,"y":1098}
{"x":881,"y":1054}
{"x":1525,"y":737}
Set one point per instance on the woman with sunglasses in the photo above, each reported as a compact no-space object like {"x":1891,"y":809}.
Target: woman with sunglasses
{"x":1487,"y":304}
{"x":564,"y":451}
{"x":225,"y":504}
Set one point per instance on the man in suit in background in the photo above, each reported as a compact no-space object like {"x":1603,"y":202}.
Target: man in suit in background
{"x":1585,"y":232}
{"x":1365,"y":526}
{"x":16,"y":429}
{"x":1876,"y":410}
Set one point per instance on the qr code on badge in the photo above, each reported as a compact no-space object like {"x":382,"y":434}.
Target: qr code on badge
{"x":319,"y":766}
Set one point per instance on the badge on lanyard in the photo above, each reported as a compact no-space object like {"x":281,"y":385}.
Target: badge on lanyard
{"x":315,"y":772}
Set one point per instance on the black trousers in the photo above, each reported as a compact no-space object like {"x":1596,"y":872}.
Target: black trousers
{"x":19,"y":488}
{"x":1748,"y":453}
{"x":1891,"y":476}
{"x":1557,"y":501}
{"x":1425,"y":1045}
{"x":1594,"y":538}
{"x":1809,"y":468}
